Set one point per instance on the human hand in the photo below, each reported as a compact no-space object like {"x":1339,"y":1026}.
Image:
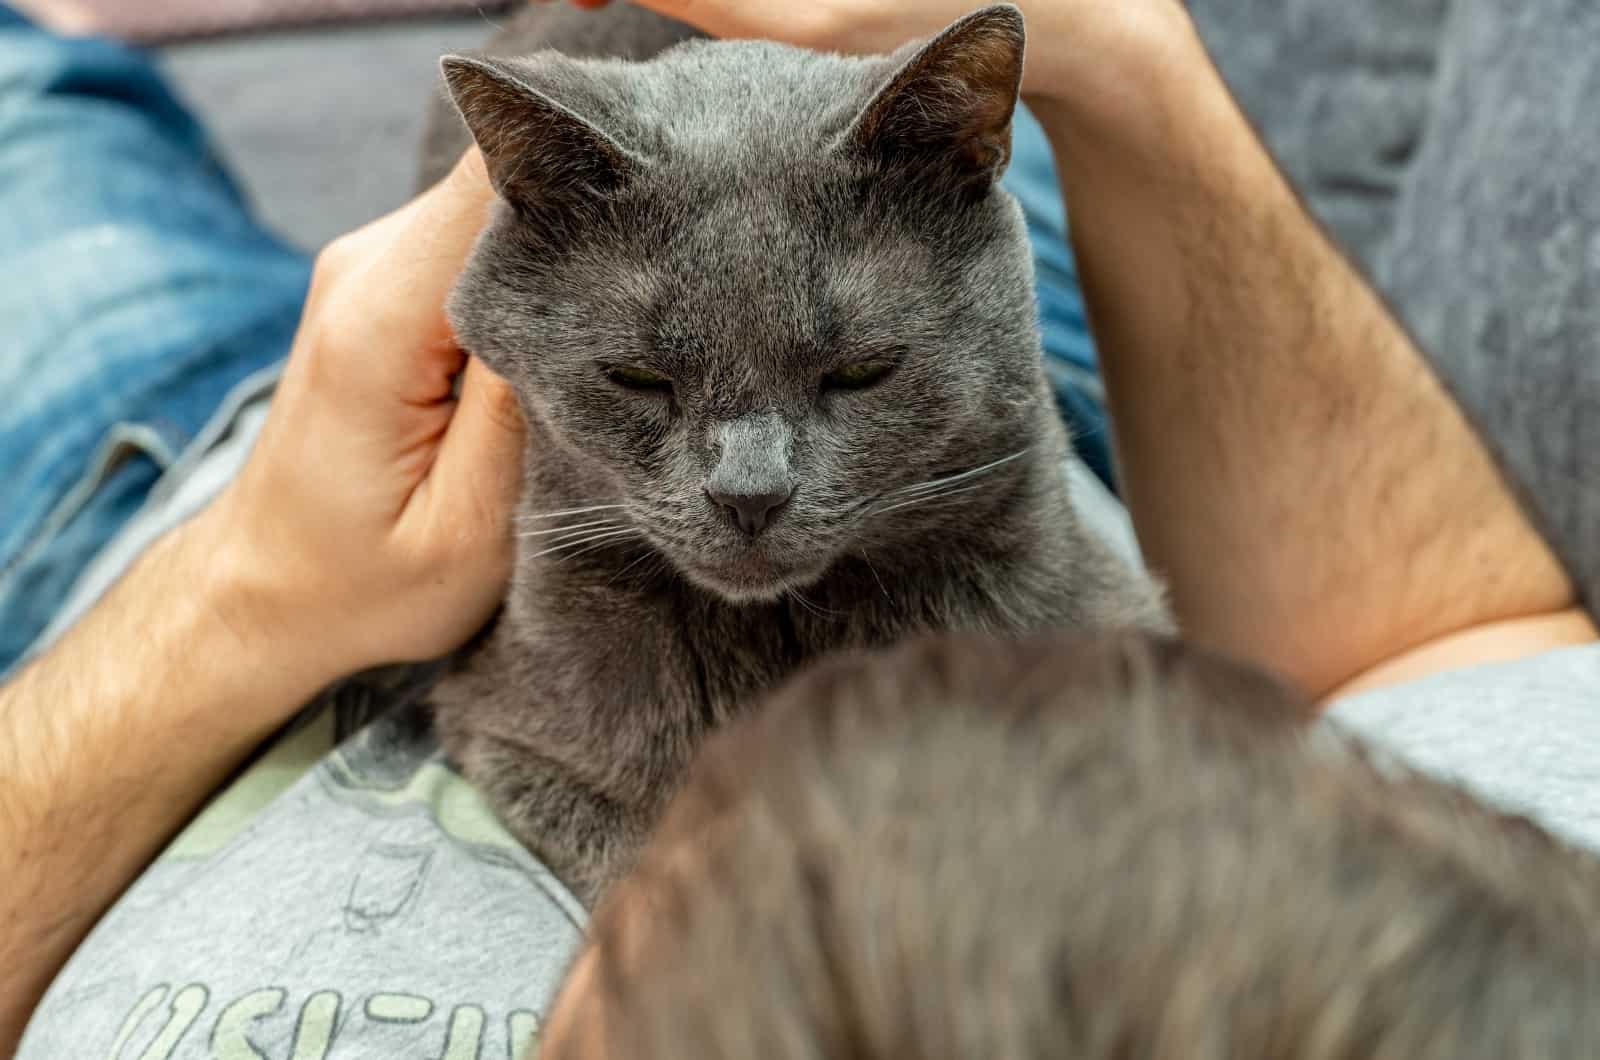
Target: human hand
{"x":64,"y":16}
{"x":851,"y":26}
{"x":372,"y":523}
{"x":1062,"y":33}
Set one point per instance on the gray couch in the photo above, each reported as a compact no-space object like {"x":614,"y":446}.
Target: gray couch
{"x":1451,"y":145}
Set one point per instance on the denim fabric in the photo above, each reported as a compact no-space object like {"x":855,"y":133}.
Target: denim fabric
{"x":136,"y":291}
{"x":1069,"y":352}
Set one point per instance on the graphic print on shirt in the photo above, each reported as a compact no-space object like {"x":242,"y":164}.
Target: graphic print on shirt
{"x":367,"y":906}
{"x":163,"y":1018}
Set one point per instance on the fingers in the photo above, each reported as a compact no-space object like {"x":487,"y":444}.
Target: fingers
{"x":807,"y":23}
{"x":716,"y":17}
{"x":482,"y":450}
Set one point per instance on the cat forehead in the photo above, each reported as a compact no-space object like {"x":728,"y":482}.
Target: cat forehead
{"x":766,"y":236}
{"x":743,"y":95}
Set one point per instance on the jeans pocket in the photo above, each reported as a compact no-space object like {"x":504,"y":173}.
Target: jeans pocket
{"x":114,"y":484}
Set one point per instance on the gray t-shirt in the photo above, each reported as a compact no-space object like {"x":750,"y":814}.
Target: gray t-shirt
{"x":1524,"y":735}
{"x":348,"y":901}
{"x":360,"y":901}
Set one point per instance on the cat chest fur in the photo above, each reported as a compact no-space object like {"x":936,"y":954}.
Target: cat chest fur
{"x":581,"y":712}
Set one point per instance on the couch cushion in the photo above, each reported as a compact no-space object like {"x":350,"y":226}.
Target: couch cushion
{"x":1495,"y":256}
{"x":1340,"y":92}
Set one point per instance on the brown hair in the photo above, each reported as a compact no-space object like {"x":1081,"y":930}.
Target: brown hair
{"x":1085,"y":847}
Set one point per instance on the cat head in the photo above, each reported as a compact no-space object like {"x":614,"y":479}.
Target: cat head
{"x":757,"y":296}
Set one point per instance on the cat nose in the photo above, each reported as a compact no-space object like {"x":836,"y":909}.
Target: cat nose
{"x":752,"y":510}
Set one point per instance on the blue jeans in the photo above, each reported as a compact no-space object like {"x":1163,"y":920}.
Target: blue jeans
{"x":137,"y":291}
{"x":1070,"y":359}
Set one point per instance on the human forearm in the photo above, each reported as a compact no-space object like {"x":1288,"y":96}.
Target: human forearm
{"x":113,"y":739}
{"x":1310,"y":491}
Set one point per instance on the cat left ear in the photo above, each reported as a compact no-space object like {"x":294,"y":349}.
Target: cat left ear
{"x":542,"y":157}
{"x":953,"y":102}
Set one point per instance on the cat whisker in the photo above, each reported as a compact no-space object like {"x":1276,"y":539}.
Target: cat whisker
{"x":597,"y":524}
{"x":534,"y":516}
{"x":962,"y":476}
{"x":877,"y":577}
{"x":815,"y":609}
{"x":930,"y":498}
{"x":603,"y":543}
{"x":594,"y":540}
{"x":648,"y":555}
{"x":573,"y":536}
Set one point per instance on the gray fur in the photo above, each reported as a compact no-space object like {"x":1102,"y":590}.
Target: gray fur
{"x":620,"y":31}
{"x":745,"y":218}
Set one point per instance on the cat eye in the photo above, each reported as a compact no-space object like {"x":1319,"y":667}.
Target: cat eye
{"x":638,"y":378}
{"x":858,"y":376}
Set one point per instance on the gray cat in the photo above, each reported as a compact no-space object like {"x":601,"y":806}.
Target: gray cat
{"x":772,"y":325}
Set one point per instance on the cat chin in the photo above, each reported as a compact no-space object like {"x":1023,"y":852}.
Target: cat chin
{"x":750,"y":592}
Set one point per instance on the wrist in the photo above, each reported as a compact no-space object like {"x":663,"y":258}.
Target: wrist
{"x":1108,"y":71}
{"x":246,"y":609}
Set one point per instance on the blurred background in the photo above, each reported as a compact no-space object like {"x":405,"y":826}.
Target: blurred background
{"x":319,"y":119}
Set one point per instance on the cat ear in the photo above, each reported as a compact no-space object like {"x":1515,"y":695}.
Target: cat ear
{"x":952,"y":103}
{"x":542,"y":157}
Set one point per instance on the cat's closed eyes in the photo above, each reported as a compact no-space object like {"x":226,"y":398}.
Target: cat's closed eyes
{"x":772,"y":324}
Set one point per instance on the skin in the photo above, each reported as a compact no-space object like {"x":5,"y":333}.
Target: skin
{"x":370,"y":479}
{"x":63,"y":16}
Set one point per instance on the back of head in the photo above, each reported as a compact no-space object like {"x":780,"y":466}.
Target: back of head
{"x":1091,"y":848}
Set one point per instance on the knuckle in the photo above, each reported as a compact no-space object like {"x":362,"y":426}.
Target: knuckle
{"x":330,"y":260}
{"x":325,"y":273}
{"x":334,"y":262}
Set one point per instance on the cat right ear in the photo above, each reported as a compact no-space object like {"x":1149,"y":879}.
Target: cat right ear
{"x":950,"y":105}
{"x":543,"y":158}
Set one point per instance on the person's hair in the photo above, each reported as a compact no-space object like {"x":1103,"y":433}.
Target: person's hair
{"x":1087,"y":848}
